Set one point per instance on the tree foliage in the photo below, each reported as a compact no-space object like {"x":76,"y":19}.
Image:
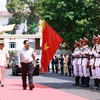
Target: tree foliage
{"x":22,"y":10}
{"x":72,"y":19}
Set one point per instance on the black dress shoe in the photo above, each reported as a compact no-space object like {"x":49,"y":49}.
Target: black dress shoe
{"x":94,"y":87}
{"x":75,"y":84}
{"x":31,"y":87}
{"x":2,"y":85}
{"x":24,"y":88}
{"x":86,"y":86}
{"x":97,"y":88}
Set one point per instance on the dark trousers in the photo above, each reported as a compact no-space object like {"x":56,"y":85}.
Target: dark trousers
{"x":69,"y":70}
{"x":56,"y":66}
{"x":53,"y":68}
{"x":90,"y":71}
{"x":62,"y":69}
{"x":27,"y":69}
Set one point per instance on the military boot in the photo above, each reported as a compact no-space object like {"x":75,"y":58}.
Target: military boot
{"x":87,"y":79}
{"x":76,"y":81}
{"x":98,"y":82}
{"x":95,"y":84}
{"x":82,"y":81}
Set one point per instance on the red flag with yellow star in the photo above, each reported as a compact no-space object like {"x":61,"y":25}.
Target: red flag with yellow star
{"x":50,"y":43}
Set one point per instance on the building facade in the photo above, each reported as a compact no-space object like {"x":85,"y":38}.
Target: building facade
{"x":14,"y":42}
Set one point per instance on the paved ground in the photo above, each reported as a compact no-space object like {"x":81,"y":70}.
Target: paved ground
{"x":63,"y":83}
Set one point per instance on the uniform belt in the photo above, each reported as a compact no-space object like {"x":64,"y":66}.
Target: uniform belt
{"x":80,"y":57}
{"x":84,"y":57}
{"x":26,"y":63}
{"x":97,"y":57}
{"x":76,"y":57}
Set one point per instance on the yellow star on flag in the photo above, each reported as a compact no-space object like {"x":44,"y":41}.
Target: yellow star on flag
{"x":46,"y":46}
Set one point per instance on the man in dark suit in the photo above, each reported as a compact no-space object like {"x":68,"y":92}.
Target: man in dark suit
{"x":61,"y":64}
{"x":53,"y":63}
{"x":69,"y":65}
{"x":56,"y":64}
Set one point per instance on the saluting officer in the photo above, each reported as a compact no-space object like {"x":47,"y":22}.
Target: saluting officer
{"x":75,"y":60}
{"x":85,"y":62}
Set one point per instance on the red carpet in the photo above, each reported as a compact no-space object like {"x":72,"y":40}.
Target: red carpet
{"x":13,"y":91}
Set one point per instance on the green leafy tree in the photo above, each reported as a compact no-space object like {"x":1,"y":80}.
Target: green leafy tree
{"x":22,"y":10}
{"x":72,"y":19}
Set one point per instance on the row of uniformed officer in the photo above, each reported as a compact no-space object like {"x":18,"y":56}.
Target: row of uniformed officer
{"x":95,"y":61}
{"x":83,"y":58}
{"x":81,"y":62}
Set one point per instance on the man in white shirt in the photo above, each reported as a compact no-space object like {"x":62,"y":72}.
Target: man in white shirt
{"x":4,"y":56}
{"x":27,"y":61}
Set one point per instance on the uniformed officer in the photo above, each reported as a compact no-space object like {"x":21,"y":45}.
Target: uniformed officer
{"x":4,"y":58}
{"x":80,"y":63}
{"x":92,"y":61}
{"x":75,"y":56}
{"x":85,"y":62}
{"x":97,"y":62}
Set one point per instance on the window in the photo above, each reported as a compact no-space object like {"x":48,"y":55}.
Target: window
{"x":12,"y":44}
{"x":32,"y":44}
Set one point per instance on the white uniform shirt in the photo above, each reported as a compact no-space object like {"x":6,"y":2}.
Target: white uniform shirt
{"x":85,"y":52}
{"x":3,"y":55}
{"x":93,"y":52}
{"x":79,"y":62}
{"x":75,"y":54}
{"x":26,"y":55}
{"x":97,"y":55}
